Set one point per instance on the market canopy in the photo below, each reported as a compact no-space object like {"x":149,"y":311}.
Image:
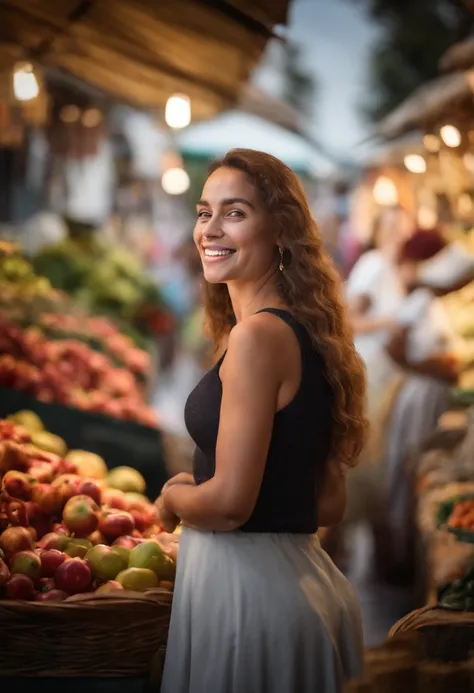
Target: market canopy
{"x":428,"y":103}
{"x":141,"y":51}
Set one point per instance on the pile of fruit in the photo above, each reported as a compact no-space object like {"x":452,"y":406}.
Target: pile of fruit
{"x":69,"y":372}
{"x":68,"y":526}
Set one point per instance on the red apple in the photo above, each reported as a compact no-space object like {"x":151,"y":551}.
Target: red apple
{"x":73,"y":576}
{"x":38,"y":519}
{"x":15,"y":539}
{"x":26,"y":563}
{"x":81,"y":515}
{"x":116,"y":524}
{"x":46,"y":584}
{"x":52,"y":595}
{"x":51,"y":559}
{"x":41,"y":471}
{"x":54,"y":540}
{"x":139,"y":519}
{"x":20,"y":587}
{"x":17,"y":485}
{"x":47,"y":498}
{"x":127,"y":541}
{"x":89,"y":487}
{"x":67,"y":486}
{"x":114,"y":498}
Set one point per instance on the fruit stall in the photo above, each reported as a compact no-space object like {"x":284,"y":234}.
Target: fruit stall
{"x":77,"y":369}
{"x":83,"y":561}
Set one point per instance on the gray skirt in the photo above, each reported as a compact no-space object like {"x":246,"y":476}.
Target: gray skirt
{"x":260,"y":613}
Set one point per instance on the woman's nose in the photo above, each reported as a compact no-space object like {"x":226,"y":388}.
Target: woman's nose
{"x":213,"y":229}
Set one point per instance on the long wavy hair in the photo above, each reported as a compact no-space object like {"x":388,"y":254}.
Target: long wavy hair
{"x":310,"y":287}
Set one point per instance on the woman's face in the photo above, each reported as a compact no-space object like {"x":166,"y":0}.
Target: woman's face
{"x":233,"y":232}
{"x":394,"y":230}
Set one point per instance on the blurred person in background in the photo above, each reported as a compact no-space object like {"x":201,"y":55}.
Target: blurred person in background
{"x":422,"y":345}
{"x":374,"y":293}
{"x":259,"y":607}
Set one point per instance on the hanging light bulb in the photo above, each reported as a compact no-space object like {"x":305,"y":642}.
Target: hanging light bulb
{"x":450,"y":136}
{"x":178,"y":111}
{"x":91,"y":118}
{"x":25,"y":84}
{"x":175,"y":181}
{"x":385,"y":192}
{"x":70,"y":114}
{"x":415,"y":163}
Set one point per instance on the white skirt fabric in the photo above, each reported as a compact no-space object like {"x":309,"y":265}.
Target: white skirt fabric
{"x":260,"y":613}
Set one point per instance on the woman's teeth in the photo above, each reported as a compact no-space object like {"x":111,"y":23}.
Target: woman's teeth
{"x":217,"y":253}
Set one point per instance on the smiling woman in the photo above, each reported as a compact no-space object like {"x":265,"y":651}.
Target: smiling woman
{"x":259,"y":606}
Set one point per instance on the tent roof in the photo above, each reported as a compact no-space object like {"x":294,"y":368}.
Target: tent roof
{"x":141,"y":51}
{"x":427,"y":103}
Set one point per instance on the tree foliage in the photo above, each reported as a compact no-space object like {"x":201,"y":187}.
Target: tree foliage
{"x":414,"y":34}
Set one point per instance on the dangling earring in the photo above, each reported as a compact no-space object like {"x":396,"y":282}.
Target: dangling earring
{"x":281,"y":266}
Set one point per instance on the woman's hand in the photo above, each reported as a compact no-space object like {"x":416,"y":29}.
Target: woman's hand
{"x":167,"y":519}
{"x":397,"y":345}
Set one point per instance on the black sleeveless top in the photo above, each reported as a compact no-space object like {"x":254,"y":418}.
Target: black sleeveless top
{"x":299,"y":446}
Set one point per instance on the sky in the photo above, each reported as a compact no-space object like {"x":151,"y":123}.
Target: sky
{"x":335,"y":37}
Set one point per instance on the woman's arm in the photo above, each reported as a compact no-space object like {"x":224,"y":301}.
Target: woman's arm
{"x":440,"y":366}
{"x":251,"y":381}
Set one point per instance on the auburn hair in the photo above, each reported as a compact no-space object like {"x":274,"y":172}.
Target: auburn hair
{"x":311,"y":288}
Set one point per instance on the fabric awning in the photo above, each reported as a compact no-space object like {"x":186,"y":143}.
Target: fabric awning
{"x":141,"y":51}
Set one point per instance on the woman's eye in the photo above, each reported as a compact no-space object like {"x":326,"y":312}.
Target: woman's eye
{"x":203,"y":214}
{"x":236,"y":213}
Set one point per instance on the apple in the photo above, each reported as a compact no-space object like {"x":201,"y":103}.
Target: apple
{"x":54,"y":540}
{"x":116,"y":524}
{"x":17,"y":485}
{"x":89,"y":487}
{"x":60,"y":528}
{"x":47,"y":497}
{"x":67,"y":486}
{"x":15,"y":539}
{"x":46,"y":584}
{"x":50,"y":559}
{"x":41,"y":471}
{"x":109,"y":564}
{"x":114,"y":498}
{"x":38,"y":519}
{"x":73,"y":576}
{"x":26,"y":563}
{"x":81,"y":515}
{"x":19,"y":587}
{"x":127,"y":541}
{"x":77,"y":548}
{"x":139,"y":519}
{"x":110,"y":586}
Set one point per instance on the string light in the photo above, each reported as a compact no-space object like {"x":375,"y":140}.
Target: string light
{"x":25,"y":84}
{"x":175,"y":181}
{"x":385,"y":192}
{"x":450,"y":136}
{"x":415,"y":163}
{"x":178,"y":111}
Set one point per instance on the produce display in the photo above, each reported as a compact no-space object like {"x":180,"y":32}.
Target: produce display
{"x":68,"y":526}
{"x":458,"y":595}
{"x":106,"y":279}
{"x":57,"y":353}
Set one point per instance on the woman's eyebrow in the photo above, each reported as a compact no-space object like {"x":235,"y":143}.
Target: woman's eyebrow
{"x":228,"y":201}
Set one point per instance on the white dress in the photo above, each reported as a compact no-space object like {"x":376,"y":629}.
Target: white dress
{"x":260,"y":613}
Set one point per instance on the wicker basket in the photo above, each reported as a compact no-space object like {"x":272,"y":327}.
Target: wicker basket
{"x":100,"y":636}
{"x":444,"y":635}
